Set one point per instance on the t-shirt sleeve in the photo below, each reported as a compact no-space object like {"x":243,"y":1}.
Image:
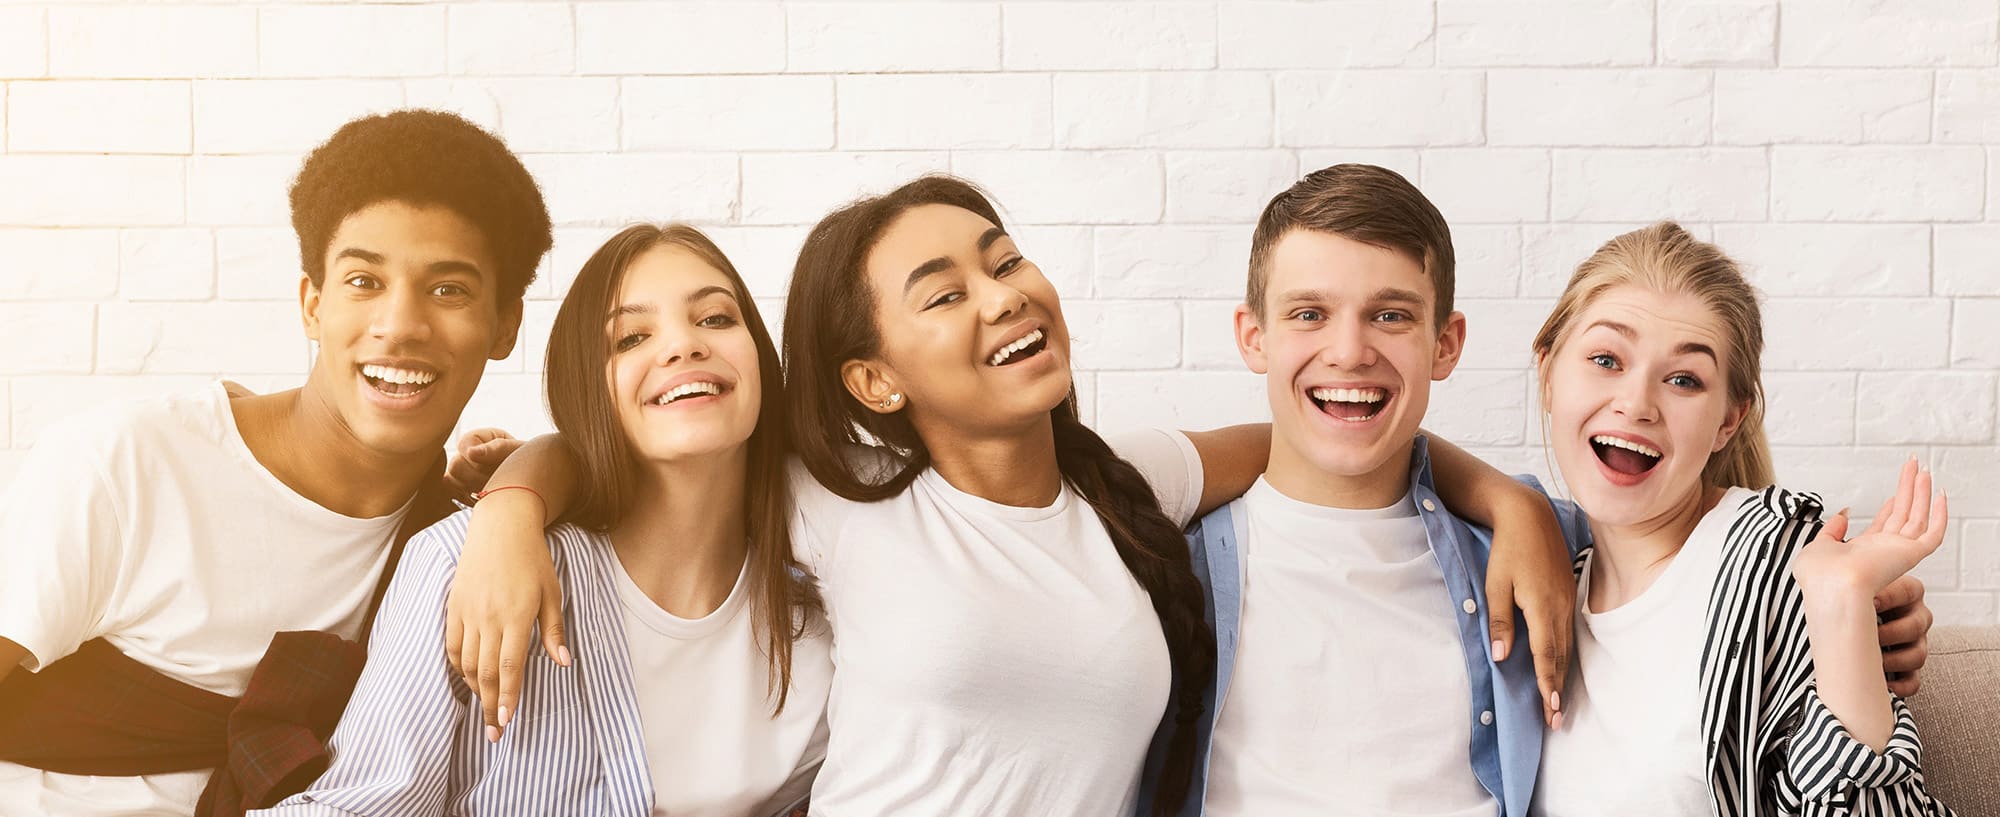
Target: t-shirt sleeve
{"x":61,"y":541}
{"x":1169,"y":462}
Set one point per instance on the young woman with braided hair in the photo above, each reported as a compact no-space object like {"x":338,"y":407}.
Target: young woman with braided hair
{"x":1014,"y":608}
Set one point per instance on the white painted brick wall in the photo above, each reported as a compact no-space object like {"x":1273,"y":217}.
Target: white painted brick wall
{"x":1848,"y":151}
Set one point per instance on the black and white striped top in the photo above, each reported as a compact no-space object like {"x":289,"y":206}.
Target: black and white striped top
{"x":1772,"y":746}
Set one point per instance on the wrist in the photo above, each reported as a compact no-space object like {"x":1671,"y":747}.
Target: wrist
{"x":514,"y":506}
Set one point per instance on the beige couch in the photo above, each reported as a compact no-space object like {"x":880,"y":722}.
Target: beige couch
{"x":1958,"y":715}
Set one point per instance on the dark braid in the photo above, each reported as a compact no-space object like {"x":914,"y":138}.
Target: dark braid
{"x":1156,"y":553}
{"x":829,"y":320}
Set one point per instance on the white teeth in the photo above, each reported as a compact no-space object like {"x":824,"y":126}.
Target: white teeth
{"x":687,"y":390}
{"x":1620,"y":442}
{"x":1369,"y":395}
{"x":1001,"y":356}
{"x":400,"y":376}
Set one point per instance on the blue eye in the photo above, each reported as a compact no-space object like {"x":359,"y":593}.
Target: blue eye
{"x":1308,"y":315}
{"x":1604,"y":361}
{"x":1684,"y":381}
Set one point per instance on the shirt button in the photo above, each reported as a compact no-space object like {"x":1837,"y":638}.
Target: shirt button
{"x":1429,"y":505}
{"x":1469,"y":607}
{"x":1486,"y":718}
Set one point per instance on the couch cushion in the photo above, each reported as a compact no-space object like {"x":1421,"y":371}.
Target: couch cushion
{"x":1958,"y":716}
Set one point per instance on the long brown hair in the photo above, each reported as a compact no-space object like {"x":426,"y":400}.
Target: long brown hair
{"x":1665,"y":258}
{"x":830,"y":319}
{"x":580,"y":401}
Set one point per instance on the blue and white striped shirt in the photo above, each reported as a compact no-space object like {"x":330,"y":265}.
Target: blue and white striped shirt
{"x":412,"y":741}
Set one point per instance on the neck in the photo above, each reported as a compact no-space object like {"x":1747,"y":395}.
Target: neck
{"x":299,"y":437}
{"x":1297,"y":477}
{"x":682,"y":538}
{"x":1017,"y":468}
{"x":1628,"y":558}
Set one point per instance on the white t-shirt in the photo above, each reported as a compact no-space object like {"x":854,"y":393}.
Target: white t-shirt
{"x":1631,"y":737}
{"x":990,"y":659}
{"x":1349,"y":691}
{"x":712,"y":745}
{"x":151,"y":525}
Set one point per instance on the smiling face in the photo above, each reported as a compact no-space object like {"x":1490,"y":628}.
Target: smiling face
{"x":409,"y":315}
{"x":1638,"y":402}
{"x":1349,"y":345}
{"x":683,"y":365}
{"x":972,"y":334}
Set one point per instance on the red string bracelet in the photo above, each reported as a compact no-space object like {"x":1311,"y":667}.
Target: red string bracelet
{"x":537,"y":495}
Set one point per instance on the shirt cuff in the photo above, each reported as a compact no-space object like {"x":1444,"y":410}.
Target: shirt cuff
{"x":1828,"y":764}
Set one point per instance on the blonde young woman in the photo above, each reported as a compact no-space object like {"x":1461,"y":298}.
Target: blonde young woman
{"x":1727,"y":660}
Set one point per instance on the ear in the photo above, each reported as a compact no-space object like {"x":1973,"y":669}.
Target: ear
{"x":309,"y":297}
{"x":874,"y":385}
{"x":1450,"y":344}
{"x":1731,"y":422}
{"x":509,"y":330}
{"x":1250,"y":339}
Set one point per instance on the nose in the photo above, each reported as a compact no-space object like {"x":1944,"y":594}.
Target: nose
{"x":679,"y":346}
{"x":1635,"y":400}
{"x":402,"y":317}
{"x":1000,"y":301}
{"x":1347,"y":345}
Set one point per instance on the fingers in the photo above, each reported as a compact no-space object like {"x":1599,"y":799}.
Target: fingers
{"x":1549,"y":637}
{"x":1500,"y":623}
{"x":480,"y":436}
{"x":1904,"y":685}
{"x":1894,"y":599}
{"x":1835,"y":527}
{"x":489,"y":685}
{"x":555,"y":638}
{"x":513,"y":651}
{"x":489,"y":455}
{"x":1939,"y":517}
{"x":1906,"y":485}
{"x":1919,"y":513}
{"x":468,"y":660}
{"x":1903,"y":627}
{"x":454,"y":638}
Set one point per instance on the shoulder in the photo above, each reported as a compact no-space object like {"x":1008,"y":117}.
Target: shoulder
{"x":124,"y":435}
{"x":1775,"y":504}
{"x":445,"y":540}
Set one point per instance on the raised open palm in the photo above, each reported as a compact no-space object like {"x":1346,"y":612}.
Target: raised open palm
{"x":1909,"y":527}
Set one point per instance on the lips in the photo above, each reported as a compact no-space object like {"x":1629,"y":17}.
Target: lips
{"x":399,"y":379}
{"x":1625,"y":455}
{"x":692,"y":387}
{"x":1350,"y":404}
{"x":1021,"y":348}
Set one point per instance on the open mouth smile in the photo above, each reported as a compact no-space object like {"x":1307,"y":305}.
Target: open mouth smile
{"x":1025,"y":347}
{"x":399,"y":382}
{"x":694,"y":390}
{"x":1350,"y":405}
{"x":1628,"y":460}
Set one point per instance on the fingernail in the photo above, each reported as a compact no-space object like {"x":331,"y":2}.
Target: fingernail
{"x":506,"y":714}
{"x":1556,"y":702}
{"x":492,"y":734}
{"x":1559,"y":721}
{"x":1499,"y":650}
{"x":562,"y":655}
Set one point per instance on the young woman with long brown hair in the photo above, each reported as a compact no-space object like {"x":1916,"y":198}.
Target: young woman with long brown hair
{"x":700,"y":677}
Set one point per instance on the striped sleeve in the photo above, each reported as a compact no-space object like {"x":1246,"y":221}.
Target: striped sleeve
{"x":393,"y":749}
{"x":1828,"y":772}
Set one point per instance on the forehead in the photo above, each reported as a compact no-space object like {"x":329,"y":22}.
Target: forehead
{"x":1313,"y":260}
{"x":925,"y":232}
{"x":418,"y":233}
{"x":668,"y":273}
{"x":1666,"y":319}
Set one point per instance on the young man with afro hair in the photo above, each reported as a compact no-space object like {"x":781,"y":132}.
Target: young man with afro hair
{"x":183,"y":574}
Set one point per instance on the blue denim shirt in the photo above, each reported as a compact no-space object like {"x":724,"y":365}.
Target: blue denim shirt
{"x":1505,"y":708}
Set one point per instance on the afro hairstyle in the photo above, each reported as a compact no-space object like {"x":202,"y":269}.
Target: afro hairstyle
{"x":428,"y":158}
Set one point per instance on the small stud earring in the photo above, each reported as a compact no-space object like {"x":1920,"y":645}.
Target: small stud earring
{"x":893,"y":399}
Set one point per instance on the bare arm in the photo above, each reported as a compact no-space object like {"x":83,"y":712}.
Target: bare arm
{"x":1232,"y":458}
{"x":1840,"y":581}
{"x":506,"y":581}
{"x":1529,"y":565}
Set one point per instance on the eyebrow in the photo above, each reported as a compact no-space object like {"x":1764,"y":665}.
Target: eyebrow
{"x":648,"y":309}
{"x":942,"y":263}
{"x":1391,"y":294}
{"x":1687,"y":348}
{"x":435,"y":268}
